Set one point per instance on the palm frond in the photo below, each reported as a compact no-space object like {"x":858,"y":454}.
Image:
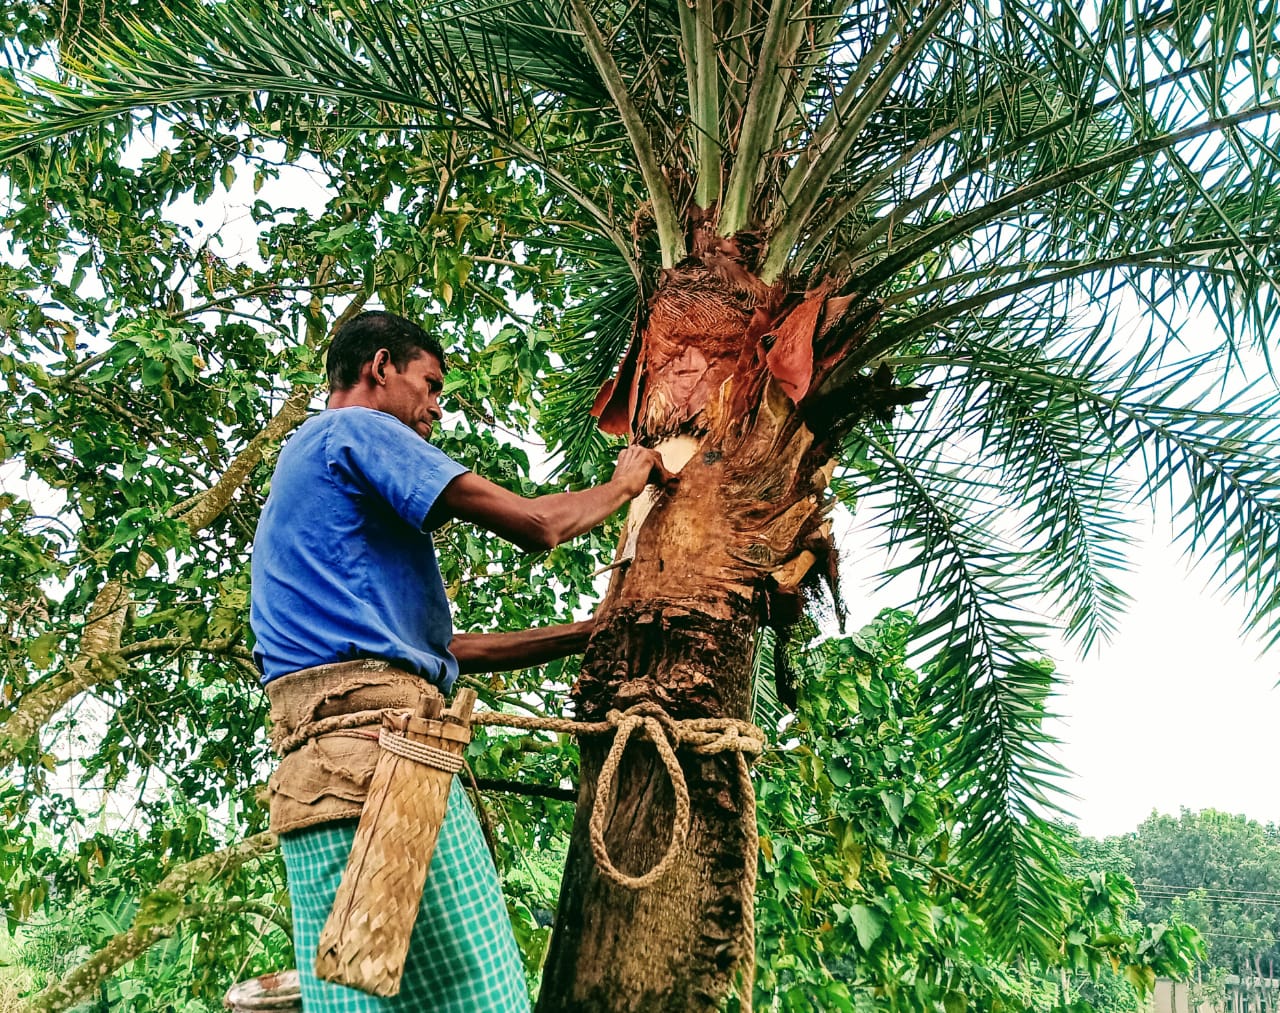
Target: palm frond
{"x":351,"y":63}
{"x":1220,"y":468}
{"x":1145,"y":144}
{"x":988,"y":692}
{"x":767,"y":710}
{"x":670,"y":233}
{"x":1132,"y":153}
{"x":591,"y":338}
{"x":1153,"y":423}
{"x":861,"y":93}
{"x":1057,"y":461}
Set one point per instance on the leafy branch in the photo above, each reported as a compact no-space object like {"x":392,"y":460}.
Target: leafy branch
{"x":160,"y":914}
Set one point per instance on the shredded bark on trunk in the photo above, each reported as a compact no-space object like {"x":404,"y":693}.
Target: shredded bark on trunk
{"x":718,"y":380}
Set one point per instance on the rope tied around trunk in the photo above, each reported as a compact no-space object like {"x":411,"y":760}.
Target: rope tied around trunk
{"x":703,"y":736}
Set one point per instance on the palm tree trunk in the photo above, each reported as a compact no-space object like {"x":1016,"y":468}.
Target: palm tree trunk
{"x":675,"y":944}
{"x":701,"y":566}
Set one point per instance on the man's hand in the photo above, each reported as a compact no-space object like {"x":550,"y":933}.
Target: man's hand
{"x":639,"y":466}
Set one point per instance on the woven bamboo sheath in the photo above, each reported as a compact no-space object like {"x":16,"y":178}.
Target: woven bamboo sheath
{"x":365,"y":940}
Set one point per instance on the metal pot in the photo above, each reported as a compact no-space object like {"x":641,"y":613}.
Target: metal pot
{"x":278,"y":992}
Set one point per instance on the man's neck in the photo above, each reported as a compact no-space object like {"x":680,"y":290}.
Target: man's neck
{"x":353,"y":397}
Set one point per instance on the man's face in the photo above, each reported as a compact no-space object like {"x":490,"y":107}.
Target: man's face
{"x":413,"y":394}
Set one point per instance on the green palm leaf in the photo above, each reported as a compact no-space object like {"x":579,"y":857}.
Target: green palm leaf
{"x":1218,"y":467}
{"x":988,"y":694}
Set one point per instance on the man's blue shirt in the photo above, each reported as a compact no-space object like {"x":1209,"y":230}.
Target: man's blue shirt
{"x":342,"y":567}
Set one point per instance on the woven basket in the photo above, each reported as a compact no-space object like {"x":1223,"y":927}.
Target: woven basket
{"x":366,"y":937}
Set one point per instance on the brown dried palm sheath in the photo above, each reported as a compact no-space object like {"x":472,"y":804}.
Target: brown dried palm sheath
{"x":366,"y":937}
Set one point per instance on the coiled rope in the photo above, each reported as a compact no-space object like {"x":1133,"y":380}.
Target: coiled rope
{"x":704,"y":736}
{"x":419,"y":752}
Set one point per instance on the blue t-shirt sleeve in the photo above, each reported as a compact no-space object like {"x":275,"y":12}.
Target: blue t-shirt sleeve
{"x":381,"y":455}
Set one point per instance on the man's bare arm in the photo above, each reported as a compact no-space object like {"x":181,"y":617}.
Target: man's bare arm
{"x":503,"y":652}
{"x":543,"y":522}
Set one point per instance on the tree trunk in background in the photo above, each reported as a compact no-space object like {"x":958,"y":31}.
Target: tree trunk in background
{"x":712,"y":382}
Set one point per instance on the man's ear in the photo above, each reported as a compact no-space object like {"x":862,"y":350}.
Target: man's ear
{"x":378,"y":366}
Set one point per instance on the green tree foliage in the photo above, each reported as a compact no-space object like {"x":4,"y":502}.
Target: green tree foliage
{"x":151,"y":367}
{"x":865,"y":903}
{"x":1218,"y":872}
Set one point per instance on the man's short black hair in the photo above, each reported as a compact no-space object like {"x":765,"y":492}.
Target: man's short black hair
{"x":359,"y":339}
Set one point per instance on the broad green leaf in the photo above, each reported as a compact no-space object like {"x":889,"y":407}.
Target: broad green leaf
{"x":868,"y":923}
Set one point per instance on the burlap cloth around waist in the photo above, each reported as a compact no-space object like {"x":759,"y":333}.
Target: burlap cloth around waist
{"x":327,"y":777}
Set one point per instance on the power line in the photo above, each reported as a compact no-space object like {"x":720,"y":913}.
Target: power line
{"x":1154,"y":895}
{"x":1232,"y":935}
{"x":1210,"y":889}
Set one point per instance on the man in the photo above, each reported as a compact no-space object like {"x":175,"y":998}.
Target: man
{"x":350,"y":615}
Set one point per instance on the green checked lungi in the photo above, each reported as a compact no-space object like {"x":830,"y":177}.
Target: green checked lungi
{"x":462,"y":955}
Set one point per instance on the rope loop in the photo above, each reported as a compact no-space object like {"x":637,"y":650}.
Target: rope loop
{"x":706,"y":737}
{"x":702,"y":736}
{"x":664,"y":733}
{"x":729,"y":737}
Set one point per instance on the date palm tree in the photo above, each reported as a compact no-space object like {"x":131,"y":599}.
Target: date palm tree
{"x":992,"y":270}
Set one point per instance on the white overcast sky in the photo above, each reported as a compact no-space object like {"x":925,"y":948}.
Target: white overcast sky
{"x":1180,"y":710}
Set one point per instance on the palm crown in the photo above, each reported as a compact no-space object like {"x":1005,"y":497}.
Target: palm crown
{"x":1010,"y":184}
